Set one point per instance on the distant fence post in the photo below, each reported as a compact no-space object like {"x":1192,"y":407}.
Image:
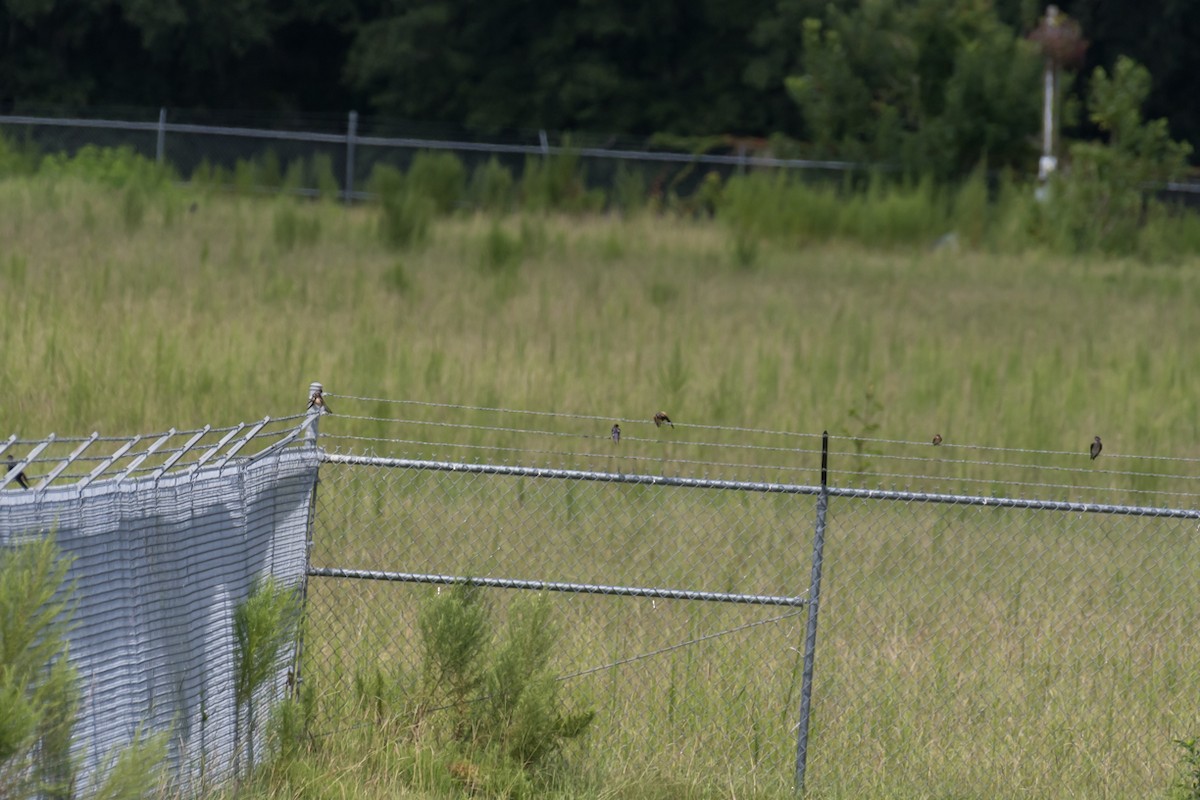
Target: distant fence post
{"x":810,"y":629}
{"x":351,"y":133}
{"x":160,"y":145}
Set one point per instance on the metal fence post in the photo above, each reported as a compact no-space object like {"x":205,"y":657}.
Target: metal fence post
{"x":351,"y":133}
{"x":295,"y":676}
{"x":160,"y":145}
{"x":810,"y":630}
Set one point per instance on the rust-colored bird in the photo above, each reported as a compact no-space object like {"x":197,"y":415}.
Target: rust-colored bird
{"x":12,"y":464}
{"x":662,"y":417}
{"x":937,"y":439}
{"x":318,"y":400}
{"x":1096,"y":448}
{"x":616,"y":433}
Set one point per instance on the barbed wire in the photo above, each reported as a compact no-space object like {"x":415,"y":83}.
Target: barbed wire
{"x":571,"y":415}
{"x":834,"y":436}
{"x":905,"y":462}
{"x":624,"y":458}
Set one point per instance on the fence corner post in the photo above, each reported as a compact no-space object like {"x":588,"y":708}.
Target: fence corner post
{"x":314,"y":412}
{"x":810,"y":629}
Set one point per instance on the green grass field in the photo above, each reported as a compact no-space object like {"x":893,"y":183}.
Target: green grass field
{"x":125,"y":313}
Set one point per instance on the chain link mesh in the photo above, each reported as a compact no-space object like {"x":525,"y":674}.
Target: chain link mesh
{"x":965,"y":646}
{"x":1012,"y":651}
{"x":674,"y":682}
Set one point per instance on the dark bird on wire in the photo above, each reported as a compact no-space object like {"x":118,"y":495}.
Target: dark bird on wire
{"x":318,"y":400}
{"x":1096,"y":448}
{"x":616,"y":433}
{"x":937,"y":439}
{"x":662,"y":417}
{"x":12,"y":464}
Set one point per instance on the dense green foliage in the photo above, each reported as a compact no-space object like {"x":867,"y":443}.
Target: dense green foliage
{"x":934,"y":83}
{"x":932,"y":87}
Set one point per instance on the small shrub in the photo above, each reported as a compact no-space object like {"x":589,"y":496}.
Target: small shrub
{"x":440,"y":177}
{"x":290,"y":227}
{"x":17,"y":159}
{"x":204,"y":175}
{"x":296,"y":177}
{"x":492,"y":186}
{"x":245,"y":176}
{"x":1168,"y":235}
{"x":558,"y":183}
{"x":289,"y":731}
{"x":405,"y":217}
{"x":708,"y":195}
{"x":501,"y":250}
{"x":270,"y":171}
{"x":629,"y":190}
{"x":503,"y":694}
{"x":38,"y":692}
{"x":971,"y":207}
{"x":117,"y":167}
{"x":263,"y":625}
{"x":1187,"y":787}
{"x":133,"y":207}
{"x":745,"y":248}
{"x":326,"y":182}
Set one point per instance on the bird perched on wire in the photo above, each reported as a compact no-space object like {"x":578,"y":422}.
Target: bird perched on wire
{"x":12,"y":464}
{"x":318,"y":400}
{"x":1096,"y":448}
{"x":662,"y":417}
{"x":937,"y":439}
{"x":616,"y":434}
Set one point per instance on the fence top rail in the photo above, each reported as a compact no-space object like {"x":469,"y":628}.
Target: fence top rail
{"x":757,"y":486}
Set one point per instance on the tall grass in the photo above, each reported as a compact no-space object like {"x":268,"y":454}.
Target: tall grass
{"x":217,"y":313}
{"x":226,"y":310}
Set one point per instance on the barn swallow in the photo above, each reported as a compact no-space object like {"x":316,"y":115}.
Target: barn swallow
{"x":662,"y":417}
{"x":1096,"y":448}
{"x":616,"y":434}
{"x":937,"y":439}
{"x":318,"y":400}
{"x":12,"y":464}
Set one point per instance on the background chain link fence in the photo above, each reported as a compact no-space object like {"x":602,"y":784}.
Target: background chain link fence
{"x":968,"y":645}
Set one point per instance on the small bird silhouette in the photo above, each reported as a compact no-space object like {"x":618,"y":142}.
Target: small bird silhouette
{"x":318,"y":400}
{"x":1096,"y":448}
{"x":937,"y":439}
{"x":662,"y":417}
{"x":616,"y":433}
{"x":12,"y":464}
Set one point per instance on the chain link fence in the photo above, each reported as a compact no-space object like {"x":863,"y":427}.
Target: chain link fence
{"x":968,"y":645}
{"x":332,"y":154}
{"x":677,"y":683}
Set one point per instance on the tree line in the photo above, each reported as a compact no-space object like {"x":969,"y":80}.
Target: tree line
{"x":937,"y":85}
